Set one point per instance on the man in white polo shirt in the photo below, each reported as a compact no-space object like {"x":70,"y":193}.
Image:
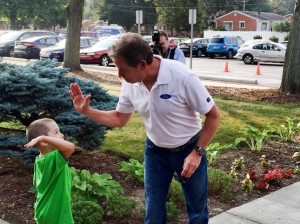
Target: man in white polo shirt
{"x":170,"y":98}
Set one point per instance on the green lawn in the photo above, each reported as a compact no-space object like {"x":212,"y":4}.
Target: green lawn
{"x":129,"y":141}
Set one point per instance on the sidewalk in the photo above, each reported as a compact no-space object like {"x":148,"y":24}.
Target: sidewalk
{"x":279,"y":207}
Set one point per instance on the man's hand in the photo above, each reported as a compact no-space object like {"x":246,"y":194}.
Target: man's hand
{"x":191,"y":163}
{"x":80,"y":102}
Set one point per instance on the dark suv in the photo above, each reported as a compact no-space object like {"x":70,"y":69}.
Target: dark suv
{"x":199,"y":46}
{"x":223,"y":46}
{"x":7,"y":40}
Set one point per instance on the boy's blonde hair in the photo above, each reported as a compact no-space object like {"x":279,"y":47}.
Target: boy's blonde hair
{"x":37,"y":128}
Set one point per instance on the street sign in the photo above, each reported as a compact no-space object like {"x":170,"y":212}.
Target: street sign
{"x":139,"y":19}
{"x":192,"y":16}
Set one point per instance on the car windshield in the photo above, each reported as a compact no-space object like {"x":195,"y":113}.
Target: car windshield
{"x":217,"y":40}
{"x":10,"y":36}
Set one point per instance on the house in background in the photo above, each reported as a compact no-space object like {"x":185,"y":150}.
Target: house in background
{"x":248,"y":21}
{"x":4,"y":25}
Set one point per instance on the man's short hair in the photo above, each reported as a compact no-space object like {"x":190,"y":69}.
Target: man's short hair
{"x":133,"y":49}
{"x":37,"y":128}
{"x":164,"y":33}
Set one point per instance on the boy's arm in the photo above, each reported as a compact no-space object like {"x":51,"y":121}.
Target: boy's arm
{"x":66,"y":148}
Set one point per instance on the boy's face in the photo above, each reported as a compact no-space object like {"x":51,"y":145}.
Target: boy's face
{"x":54,"y":131}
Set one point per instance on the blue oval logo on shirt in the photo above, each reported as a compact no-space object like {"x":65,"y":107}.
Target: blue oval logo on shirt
{"x":165,"y":96}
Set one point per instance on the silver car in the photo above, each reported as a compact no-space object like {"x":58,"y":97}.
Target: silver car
{"x":261,"y":51}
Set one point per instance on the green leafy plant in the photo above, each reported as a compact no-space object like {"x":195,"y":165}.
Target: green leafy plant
{"x":172,"y":211}
{"x":274,"y":39}
{"x":220,"y":184}
{"x":264,"y":161}
{"x":257,"y":37}
{"x":135,"y":169}
{"x":247,"y":184}
{"x":214,"y":148}
{"x":255,"y":138}
{"x":94,"y":185}
{"x":238,"y":164}
{"x":287,"y":131}
{"x":119,"y":206}
{"x":175,"y":193}
{"x":87,"y":212}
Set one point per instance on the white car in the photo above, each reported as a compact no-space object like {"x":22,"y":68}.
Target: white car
{"x":261,"y":51}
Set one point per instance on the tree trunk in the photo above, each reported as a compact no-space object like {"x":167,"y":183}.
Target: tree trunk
{"x":73,"y":13}
{"x":290,"y":82}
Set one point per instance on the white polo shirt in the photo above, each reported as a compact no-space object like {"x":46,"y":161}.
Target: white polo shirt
{"x":170,"y":110}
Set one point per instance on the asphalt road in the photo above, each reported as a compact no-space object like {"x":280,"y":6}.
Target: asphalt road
{"x":212,"y":71}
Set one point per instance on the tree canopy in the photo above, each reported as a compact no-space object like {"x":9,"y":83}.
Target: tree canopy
{"x":42,"y":14}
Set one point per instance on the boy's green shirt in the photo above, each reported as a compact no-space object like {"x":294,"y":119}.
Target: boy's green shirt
{"x":52,"y":180}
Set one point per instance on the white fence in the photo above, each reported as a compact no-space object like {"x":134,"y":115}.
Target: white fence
{"x":246,"y":35}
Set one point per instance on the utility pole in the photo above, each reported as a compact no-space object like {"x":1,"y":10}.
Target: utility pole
{"x":244,"y":6}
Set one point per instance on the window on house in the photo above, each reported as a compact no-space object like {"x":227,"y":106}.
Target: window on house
{"x":228,"y":25}
{"x":242,"y":24}
{"x":264,"y":25}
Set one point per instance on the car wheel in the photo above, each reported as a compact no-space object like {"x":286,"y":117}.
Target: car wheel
{"x":104,"y":60}
{"x":248,"y":59}
{"x":199,"y":53}
{"x":34,"y":53}
{"x":229,"y":54}
{"x":10,"y":52}
{"x":211,"y":55}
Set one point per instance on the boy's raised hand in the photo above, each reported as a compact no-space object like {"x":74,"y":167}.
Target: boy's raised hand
{"x":33,"y":142}
{"x":80,"y":102}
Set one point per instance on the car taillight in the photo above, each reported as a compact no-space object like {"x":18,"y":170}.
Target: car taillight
{"x":224,"y":46}
{"x":28,"y":44}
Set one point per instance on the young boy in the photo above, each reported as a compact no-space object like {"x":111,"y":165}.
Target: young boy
{"x":52,"y":178}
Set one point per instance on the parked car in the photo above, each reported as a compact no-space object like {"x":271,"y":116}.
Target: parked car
{"x":109,"y":30}
{"x":31,"y":47}
{"x":89,"y":34}
{"x":3,"y":32}
{"x":148,"y":39}
{"x":264,"y":51}
{"x":175,"y":41}
{"x":199,"y":46}
{"x":57,"y":51}
{"x":98,"y":54}
{"x":223,"y":46}
{"x":7,"y":40}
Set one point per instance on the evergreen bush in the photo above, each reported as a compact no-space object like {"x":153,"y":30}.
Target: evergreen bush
{"x":41,"y":90}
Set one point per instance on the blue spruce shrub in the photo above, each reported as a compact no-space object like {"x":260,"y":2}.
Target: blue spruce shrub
{"x":41,"y":90}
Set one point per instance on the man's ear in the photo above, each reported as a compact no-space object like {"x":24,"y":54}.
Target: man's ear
{"x":143,"y":64}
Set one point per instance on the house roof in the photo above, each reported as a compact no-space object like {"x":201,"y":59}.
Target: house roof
{"x":258,"y":15}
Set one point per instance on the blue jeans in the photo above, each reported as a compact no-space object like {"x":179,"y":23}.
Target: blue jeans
{"x":160,"y":166}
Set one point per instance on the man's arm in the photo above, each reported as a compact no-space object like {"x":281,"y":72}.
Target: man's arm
{"x":82,"y":105}
{"x":66,"y":148}
{"x":210,"y":127}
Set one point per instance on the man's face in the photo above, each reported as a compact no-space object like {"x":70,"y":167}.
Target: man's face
{"x":164,"y":43}
{"x":130,"y":74}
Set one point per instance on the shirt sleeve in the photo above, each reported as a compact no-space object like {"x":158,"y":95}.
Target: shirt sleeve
{"x":179,"y":56}
{"x":124,"y":104}
{"x":197,"y":96}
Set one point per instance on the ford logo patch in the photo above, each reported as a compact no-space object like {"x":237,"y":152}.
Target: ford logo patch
{"x":165,"y":96}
